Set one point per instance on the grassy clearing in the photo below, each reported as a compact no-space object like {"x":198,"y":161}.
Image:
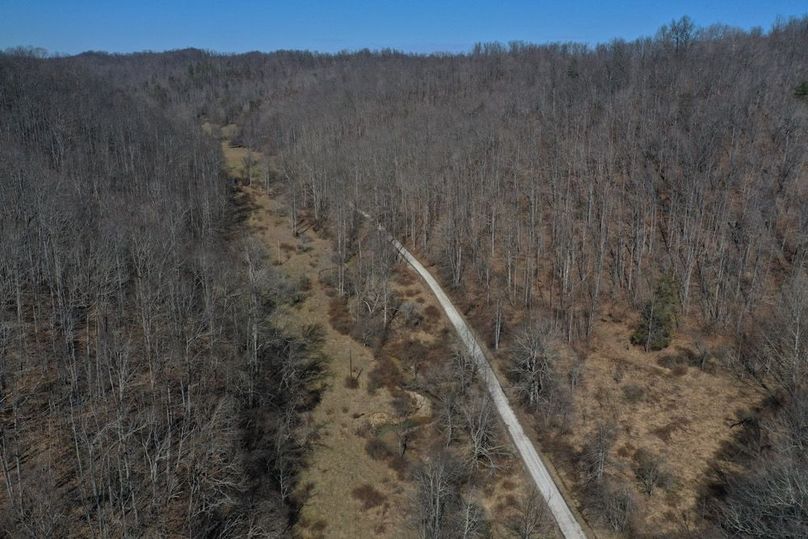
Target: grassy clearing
{"x":667,"y":403}
{"x":683,"y":413}
{"x":357,"y":479}
{"x":236,"y":159}
{"x":338,"y":465}
{"x":356,"y":483}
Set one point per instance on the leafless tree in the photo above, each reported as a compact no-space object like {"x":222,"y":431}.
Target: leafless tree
{"x":532,"y":519}
{"x":481,"y":426}
{"x":532,"y":366}
{"x":437,"y":495}
{"x":595,"y":453}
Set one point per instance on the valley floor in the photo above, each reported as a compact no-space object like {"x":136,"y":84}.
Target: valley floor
{"x":659,"y":403}
{"x":346,"y":492}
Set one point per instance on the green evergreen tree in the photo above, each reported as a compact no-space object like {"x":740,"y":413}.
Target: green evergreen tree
{"x":801,"y":91}
{"x":659,"y":316}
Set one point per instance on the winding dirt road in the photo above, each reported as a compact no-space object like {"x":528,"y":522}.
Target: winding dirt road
{"x":538,"y":471}
{"x":566,"y":521}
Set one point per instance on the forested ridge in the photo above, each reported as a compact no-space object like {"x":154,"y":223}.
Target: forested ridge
{"x":551,"y":182}
{"x":144,"y":391}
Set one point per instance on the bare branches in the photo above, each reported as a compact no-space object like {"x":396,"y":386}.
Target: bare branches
{"x":533,"y":518}
{"x":151,"y":382}
{"x":579,"y":175}
{"x":595,"y":454}
{"x":481,"y":426}
{"x":437,"y":496}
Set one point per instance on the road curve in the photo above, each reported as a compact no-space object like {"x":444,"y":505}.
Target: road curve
{"x":566,"y":521}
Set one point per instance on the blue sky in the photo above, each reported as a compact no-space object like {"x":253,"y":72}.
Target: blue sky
{"x":72,"y":26}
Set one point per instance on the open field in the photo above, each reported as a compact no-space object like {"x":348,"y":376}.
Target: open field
{"x":338,"y":465}
{"x":349,"y":493}
{"x":661,"y":402}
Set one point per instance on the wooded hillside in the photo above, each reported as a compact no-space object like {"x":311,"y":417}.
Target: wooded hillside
{"x":666,"y":176}
{"x":143,"y":390}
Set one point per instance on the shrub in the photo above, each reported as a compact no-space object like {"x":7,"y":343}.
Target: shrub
{"x":650,"y":471}
{"x":377,"y":449}
{"x":402,"y":403}
{"x":678,"y":363}
{"x":670,"y":361}
{"x":339,"y":316}
{"x":618,"y":372}
{"x":613,"y":504}
{"x":313,"y":334}
{"x":411,"y":314}
{"x":633,"y":392}
{"x":400,"y":465}
{"x":369,"y":496}
{"x":385,"y":373}
{"x":679,"y":370}
{"x":703,"y":358}
{"x":432,"y":313}
{"x":304,"y":284}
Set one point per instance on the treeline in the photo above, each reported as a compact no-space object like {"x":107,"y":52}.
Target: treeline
{"x":547,"y":176}
{"x":143,"y":388}
{"x":560,"y":177}
{"x":769,"y":498}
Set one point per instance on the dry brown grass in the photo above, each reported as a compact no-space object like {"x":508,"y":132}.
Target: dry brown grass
{"x":670,"y":403}
{"x":358,"y":444}
{"x":677,"y":411}
{"x":336,"y":466}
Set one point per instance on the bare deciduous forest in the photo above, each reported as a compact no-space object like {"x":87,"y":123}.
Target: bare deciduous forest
{"x":143,"y":389}
{"x":649,"y":197}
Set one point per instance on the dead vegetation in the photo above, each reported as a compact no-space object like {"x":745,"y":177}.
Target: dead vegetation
{"x":644,"y":199}
{"x":392,"y":404}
